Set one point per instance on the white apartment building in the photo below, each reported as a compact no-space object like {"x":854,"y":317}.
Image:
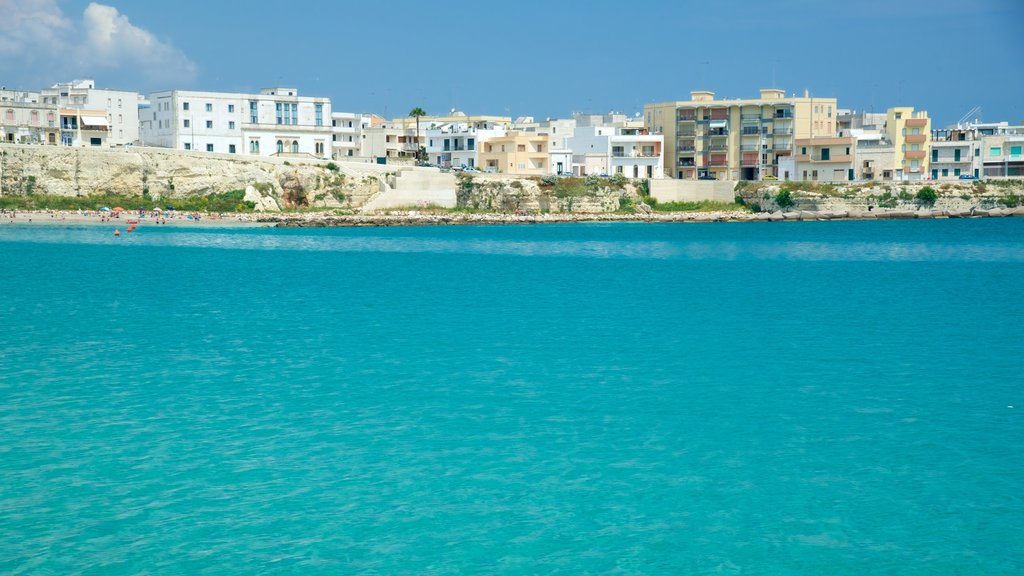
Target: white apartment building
{"x":457,"y":144}
{"x":120,"y":106}
{"x":347,"y":134}
{"x":275,"y":122}
{"x":610,"y":150}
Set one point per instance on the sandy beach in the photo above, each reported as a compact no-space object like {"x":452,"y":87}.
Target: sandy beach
{"x":122,"y":220}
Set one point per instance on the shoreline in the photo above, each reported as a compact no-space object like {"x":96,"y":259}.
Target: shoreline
{"x":429,"y":218}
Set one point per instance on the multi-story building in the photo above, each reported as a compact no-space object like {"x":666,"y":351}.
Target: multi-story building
{"x":121,"y":107}
{"x":609,"y":150}
{"x":910,"y":133}
{"x":516,"y":153}
{"x":347,"y":134}
{"x":825,"y":159}
{"x":457,"y":144}
{"x":275,"y":122}
{"x":29,"y":122}
{"x":79,"y":127}
{"x":1003,"y":154}
{"x":955,"y":152}
{"x":874,"y":157}
{"x":736,"y":139}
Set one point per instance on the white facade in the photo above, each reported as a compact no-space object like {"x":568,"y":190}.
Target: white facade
{"x":275,"y":122}
{"x":457,"y":144}
{"x":347,"y":134}
{"x":121,"y":106}
{"x":607,"y":150}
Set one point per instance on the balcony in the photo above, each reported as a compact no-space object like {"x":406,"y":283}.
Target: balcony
{"x":749,"y":147}
{"x":916,"y":138}
{"x":783,"y":115}
{"x":687,"y":117}
{"x":719,"y":113}
{"x":917,"y":122}
{"x":750,"y":130}
{"x":844,"y":158}
{"x":686,"y":148}
{"x":690,"y":132}
{"x":750,"y":159}
{"x":718,"y":146}
{"x":718,"y":160}
{"x":687,"y":163}
{"x":782,"y":131}
{"x":915,"y":154}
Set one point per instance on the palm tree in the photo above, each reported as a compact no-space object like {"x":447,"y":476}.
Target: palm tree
{"x":416,"y":113}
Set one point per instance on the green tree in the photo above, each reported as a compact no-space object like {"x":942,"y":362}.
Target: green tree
{"x":784,"y":199}
{"x":927,"y":195}
{"x":418,"y":113}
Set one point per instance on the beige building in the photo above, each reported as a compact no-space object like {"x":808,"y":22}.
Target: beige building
{"x":737,"y":139}
{"x":516,"y":153}
{"x":825,"y":159}
{"x":910,"y":133}
{"x":84,"y":127}
{"x":29,"y":123}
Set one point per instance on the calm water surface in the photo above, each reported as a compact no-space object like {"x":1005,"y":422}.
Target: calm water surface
{"x":812,"y":398}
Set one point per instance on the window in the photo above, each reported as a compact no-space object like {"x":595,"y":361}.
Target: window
{"x":295,"y":113}
{"x":184,"y":106}
{"x":935,"y":155}
{"x":277,"y":109}
{"x":188,"y":146}
{"x":280,"y":147}
{"x":470,"y":144}
{"x":254,"y":146}
{"x":209,"y":147}
{"x":319,"y":114}
{"x":803,"y":150}
{"x":231,"y":125}
{"x":977,"y":152}
{"x":231,"y":148}
{"x":847,"y":150}
{"x":995,"y":151}
{"x":956,"y":155}
{"x":187,"y":124}
{"x":956,"y":171}
{"x":826,"y":154}
{"x":253,"y":116}
{"x":231,"y":108}
{"x":935,"y":174}
{"x":319,"y":147}
{"x":521,"y":148}
{"x":295,"y":146}
{"x":209,"y":124}
{"x":1015,"y":150}
{"x":209,"y":107}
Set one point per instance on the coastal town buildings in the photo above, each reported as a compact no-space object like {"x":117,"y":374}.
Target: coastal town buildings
{"x":736,"y":139}
{"x":910,"y":133}
{"x":120,"y":107}
{"x":80,"y":127}
{"x":275,"y":122}
{"x":28,"y":122}
{"x":457,"y":144}
{"x":347,"y":134}
{"x":516,"y":153}
{"x":825,"y":159}
{"x":874,"y":157}
{"x":607,"y":150}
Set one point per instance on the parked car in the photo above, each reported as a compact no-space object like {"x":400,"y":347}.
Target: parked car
{"x":706,"y":177}
{"x":565,"y":174}
{"x":968,"y":177}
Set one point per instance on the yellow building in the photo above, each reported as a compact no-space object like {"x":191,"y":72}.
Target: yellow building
{"x":516,"y":153}
{"x":910,"y":133}
{"x":736,"y":139}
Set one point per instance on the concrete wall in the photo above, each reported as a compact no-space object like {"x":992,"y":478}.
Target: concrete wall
{"x":667,"y":190}
{"x":412,"y":187}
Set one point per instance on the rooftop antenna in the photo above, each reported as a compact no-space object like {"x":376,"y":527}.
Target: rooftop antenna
{"x":976,"y":111}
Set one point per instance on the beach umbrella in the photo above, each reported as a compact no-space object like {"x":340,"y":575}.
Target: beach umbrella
{"x":118,"y":209}
{"x":157,"y":209}
{"x":105,"y":209}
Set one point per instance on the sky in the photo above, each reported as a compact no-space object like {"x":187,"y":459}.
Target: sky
{"x":541,"y":58}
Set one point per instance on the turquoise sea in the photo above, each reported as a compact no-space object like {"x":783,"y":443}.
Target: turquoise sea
{"x":797,"y":398}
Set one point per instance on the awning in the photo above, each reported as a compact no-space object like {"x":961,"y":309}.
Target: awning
{"x":719,"y":123}
{"x":95,"y":121}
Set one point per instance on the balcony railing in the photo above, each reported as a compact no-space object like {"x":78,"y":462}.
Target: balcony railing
{"x":751,"y":130}
{"x":634,"y":155}
{"x":749,"y":147}
{"x":687,"y":117}
{"x":783,"y":132}
{"x":783,"y":114}
{"x":718,"y":146}
{"x":687,"y":163}
{"x":687,"y":148}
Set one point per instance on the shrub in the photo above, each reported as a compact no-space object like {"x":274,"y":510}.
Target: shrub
{"x":784,"y":199}
{"x":547,"y":181}
{"x":618,"y":181}
{"x":332,"y":166}
{"x":1010,"y":201}
{"x":644,"y":187}
{"x":927,"y":195}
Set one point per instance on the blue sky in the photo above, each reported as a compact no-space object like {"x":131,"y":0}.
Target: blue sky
{"x":533,"y":57}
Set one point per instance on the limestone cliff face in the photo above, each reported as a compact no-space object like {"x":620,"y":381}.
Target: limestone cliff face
{"x":67,"y":171}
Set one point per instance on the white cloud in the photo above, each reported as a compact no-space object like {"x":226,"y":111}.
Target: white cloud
{"x":38,"y":42}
